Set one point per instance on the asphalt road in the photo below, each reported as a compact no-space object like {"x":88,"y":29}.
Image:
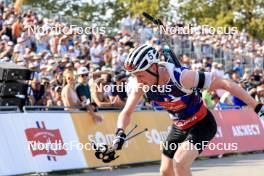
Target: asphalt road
{"x":243,"y":165}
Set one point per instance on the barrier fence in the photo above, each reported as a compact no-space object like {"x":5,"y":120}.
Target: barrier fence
{"x":198,"y":50}
{"x":44,"y":142}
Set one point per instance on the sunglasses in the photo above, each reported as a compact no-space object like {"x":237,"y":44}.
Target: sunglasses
{"x":85,"y":75}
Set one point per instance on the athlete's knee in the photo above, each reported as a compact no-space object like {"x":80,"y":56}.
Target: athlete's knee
{"x":166,"y":170}
{"x":180,"y":165}
{"x":166,"y":167}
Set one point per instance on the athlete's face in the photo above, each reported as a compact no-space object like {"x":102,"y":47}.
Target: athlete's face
{"x":145,"y":78}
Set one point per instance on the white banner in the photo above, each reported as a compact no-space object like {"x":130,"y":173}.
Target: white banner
{"x":38,"y":142}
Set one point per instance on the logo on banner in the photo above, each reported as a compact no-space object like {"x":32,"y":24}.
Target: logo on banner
{"x":43,"y":141}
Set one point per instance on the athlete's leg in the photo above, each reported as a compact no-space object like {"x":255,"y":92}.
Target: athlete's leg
{"x":201,"y":133}
{"x":175,"y":137}
{"x":183,"y":159}
{"x":166,"y":167}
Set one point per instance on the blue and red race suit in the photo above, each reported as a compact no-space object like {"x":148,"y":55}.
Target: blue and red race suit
{"x":185,"y":107}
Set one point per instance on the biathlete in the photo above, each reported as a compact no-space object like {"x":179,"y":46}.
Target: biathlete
{"x":192,"y":122}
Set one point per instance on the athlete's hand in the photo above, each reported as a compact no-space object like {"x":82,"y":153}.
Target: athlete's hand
{"x":260,"y":110}
{"x":119,"y":139}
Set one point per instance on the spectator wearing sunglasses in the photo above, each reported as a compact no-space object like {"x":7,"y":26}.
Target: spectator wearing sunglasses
{"x":82,"y":88}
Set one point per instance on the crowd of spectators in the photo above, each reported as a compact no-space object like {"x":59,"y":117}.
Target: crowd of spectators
{"x":73,"y":69}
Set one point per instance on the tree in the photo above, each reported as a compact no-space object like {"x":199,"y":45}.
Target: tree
{"x":72,"y":10}
{"x":137,"y":7}
{"x":244,"y":14}
{"x":96,"y":13}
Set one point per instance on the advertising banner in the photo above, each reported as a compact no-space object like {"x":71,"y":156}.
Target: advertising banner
{"x":145,"y":147}
{"x":39,"y":142}
{"x":238,"y":131}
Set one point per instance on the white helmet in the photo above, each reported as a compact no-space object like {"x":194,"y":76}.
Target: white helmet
{"x":141,"y":58}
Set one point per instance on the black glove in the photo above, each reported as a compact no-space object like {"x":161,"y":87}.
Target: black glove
{"x":260,"y":110}
{"x":119,"y":139}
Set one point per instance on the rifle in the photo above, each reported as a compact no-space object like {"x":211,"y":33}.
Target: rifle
{"x":167,"y":51}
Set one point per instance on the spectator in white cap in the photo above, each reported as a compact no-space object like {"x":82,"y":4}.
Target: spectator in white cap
{"x":20,"y":45}
{"x":82,"y":88}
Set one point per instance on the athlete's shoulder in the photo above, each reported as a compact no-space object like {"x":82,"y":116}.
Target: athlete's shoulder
{"x":172,"y":67}
{"x":176,"y":75}
{"x":175,"y":72}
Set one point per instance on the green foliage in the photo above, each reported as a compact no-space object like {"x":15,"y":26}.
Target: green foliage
{"x":137,"y":7}
{"x":244,"y":14}
{"x":94,"y":13}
